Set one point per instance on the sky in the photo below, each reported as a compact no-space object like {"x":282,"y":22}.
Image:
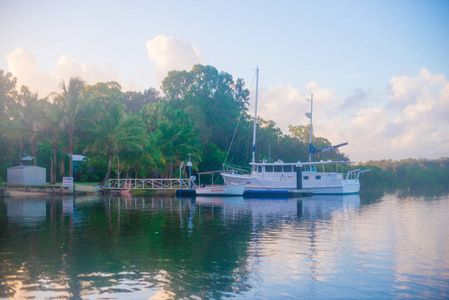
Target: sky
{"x":378,"y":70}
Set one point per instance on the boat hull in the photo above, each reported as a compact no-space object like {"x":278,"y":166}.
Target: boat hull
{"x":225,"y":190}
{"x":326,"y":186}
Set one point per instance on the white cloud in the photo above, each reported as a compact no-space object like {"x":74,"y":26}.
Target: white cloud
{"x":171,"y":54}
{"x":287,"y":105}
{"x":67,"y":67}
{"x":407,"y":91}
{"x":424,"y":100}
{"x":413,"y":123}
{"x":24,"y":65}
{"x":283,"y":104}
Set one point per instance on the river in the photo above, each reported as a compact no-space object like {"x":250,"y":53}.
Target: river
{"x":389,"y":246}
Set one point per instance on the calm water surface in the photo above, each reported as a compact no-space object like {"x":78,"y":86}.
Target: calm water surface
{"x":322,"y":247}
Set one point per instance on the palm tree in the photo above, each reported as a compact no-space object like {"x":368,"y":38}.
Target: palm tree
{"x":32,"y":115}
{"x":174,"y":132}
{"x":53,"y":132}
{"x":116,"y":132}
{"x":144,"y":162}
{"x":177,"y":140}
{"x":25,"y":126}
{"x":69,"y":103}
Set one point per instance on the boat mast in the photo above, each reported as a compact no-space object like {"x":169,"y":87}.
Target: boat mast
{"x":310,"y":136}
{"x":255,"y":116}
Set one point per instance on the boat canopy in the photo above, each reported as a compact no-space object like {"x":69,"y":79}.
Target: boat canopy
{"x":322,"y":162}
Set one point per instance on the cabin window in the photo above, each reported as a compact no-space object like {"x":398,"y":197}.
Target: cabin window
{"x":305,"y":177}
{"x":288,"y":169}
{"x":259,"y":169}
{"x":318,"y":177}
{"x":278,"y":169}
{"x":268,"y":168}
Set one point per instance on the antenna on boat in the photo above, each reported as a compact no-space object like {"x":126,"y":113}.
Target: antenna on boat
{"x":255,"y":116}
{"x":309,"y":115}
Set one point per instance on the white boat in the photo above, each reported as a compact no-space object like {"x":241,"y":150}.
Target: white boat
{"x":280,"y":177}
{"x":222,"y":190}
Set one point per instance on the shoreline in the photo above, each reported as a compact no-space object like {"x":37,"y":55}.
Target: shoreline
{"x":25,"y":193}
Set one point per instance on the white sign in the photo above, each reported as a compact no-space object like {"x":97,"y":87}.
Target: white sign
{"x":67,"y":181}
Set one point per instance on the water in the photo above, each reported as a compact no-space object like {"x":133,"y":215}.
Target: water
{"x":323,"y":247}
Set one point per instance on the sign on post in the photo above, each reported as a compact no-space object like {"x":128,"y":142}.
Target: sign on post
{"x":67,"y":181}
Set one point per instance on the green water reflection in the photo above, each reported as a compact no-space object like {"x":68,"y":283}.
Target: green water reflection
{"x":374,"y":246}
{"x":81,"y":247}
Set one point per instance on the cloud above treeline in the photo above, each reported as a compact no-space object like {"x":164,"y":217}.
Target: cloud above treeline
{"x":172,"y":54}
{"x":167,"y":52}
{"x":408,"y":119}
{"x":24,"y":65}
{"x":411,"y":121}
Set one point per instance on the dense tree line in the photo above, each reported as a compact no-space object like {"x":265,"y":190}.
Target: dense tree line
{"x":140,"y":134}
{"x":413,"y":174}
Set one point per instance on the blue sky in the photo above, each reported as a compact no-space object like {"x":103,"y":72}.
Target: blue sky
{"x":378,"y":69}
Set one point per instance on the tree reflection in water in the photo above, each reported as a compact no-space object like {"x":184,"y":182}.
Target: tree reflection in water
{"x":90,"y":246}
{"x":128,"y":247}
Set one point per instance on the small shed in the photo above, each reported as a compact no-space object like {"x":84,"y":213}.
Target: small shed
{"x":25,"y":175}
{"x":78,"y":160}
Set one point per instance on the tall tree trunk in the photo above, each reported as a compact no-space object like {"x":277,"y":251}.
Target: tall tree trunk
{"x":51,"y":170}
{"x":34,"y":150}
{"x":62,"y":168}
{"x":54,"y":161}
{"x":108,"y":172}
{"x":71,"y":152}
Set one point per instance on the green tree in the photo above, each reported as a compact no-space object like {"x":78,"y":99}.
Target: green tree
{"x":116,"y":132}
{"x":146,"y":162}
{"x":52,"y":131}
{"x":8,"y":96}
{"x":175,"y":134}
{"x":69,"y":103}
{"x":24,"y":126}
{"x":135,"y":101}
{"x":8,"y":93}
{"x":214,"y":100}
{"x":301,"y":132}
{"x":103,"y":95}
{"x":30,"y":119}
{"x":177,"y":140}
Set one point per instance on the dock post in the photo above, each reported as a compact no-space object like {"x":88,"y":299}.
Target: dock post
{"x":299,"y":176}
{"x":189,"y":170}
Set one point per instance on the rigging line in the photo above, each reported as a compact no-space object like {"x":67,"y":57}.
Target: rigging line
{"x":238,"y":122}
{"x":233,"y":136}
{"x":331,"y":120}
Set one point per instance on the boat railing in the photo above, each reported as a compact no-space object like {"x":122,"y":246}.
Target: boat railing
{"x":230,"y":169}
{"x":361,"y":172}
{"x":355,"y":174}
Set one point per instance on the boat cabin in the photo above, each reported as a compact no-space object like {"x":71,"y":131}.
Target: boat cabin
{"x":280,"y":171}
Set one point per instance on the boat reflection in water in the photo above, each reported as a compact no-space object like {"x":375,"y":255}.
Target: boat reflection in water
{"x":322,"y":206}
{"x":315,"y":207}
{"x":318,"y":247}
{"x":220,"y":201}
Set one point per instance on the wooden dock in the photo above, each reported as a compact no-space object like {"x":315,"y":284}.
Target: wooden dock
{"x":149,"y":184}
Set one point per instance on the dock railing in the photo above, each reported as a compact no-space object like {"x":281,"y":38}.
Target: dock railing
{"x":149,"y":184}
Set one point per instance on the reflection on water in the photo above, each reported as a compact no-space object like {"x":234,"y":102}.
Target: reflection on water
{"x":213,"y":247}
